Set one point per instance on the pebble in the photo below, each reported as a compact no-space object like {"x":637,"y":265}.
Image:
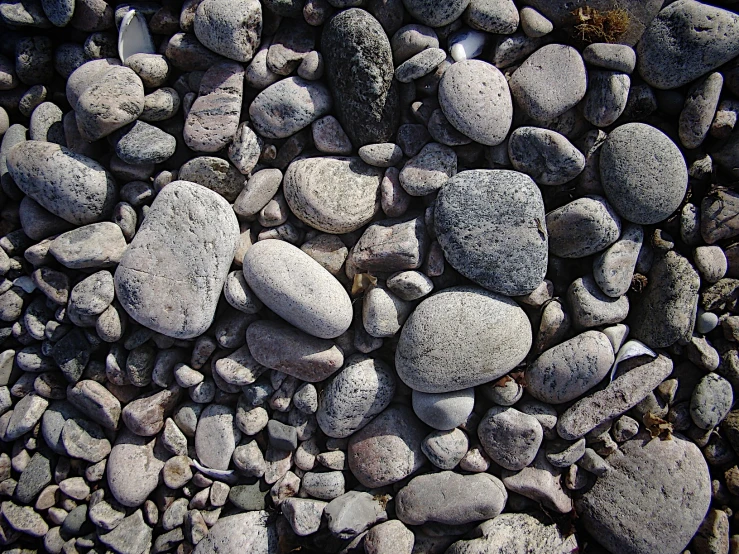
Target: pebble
{"x":388,"y":449}
{"x":711,"y":401}
{"x":512,"y":259}
{"x":97,"y":402}
{"x":540,"y":482}
{"x":450,"y":498}
{"x":85,"y":440}
{"x":286,"y":107}
{"x":329,"y":137}
{"x":643,"y":173}
{"x":359,"y":68}
{"x":215,"y":174}
{"x":607,"y":97}
{"x":613,"y":57}
{"x":697,"y":47}
{"x":93,"y":246}
{"x":440,"y":319}
{"x":511,"y":438}
{"x":551,"y":81}
{"x":344,"y":203}
{"x":216,"y":436}
{"x":231,"y":28}
{"x":326,"y":486}
{"x":648,"y":474}
{"x":613,"y":269}
{"x":303,"y":514}
{"x":163,"y":299}
{"x":570,"y":369}
{"x":245,"y":532}
{"x":546,"y":156}
{"x":24,"y":519}
{"x":428,"y":170}
{"x":445,"y":449}
{"x":583,"y":227}
{"x":133,"y":468}
{"x":260,"y":188}
{"x":444,"y":410}
{"x":711,"y":262}
{"x":390,"y":536}
{"x":492,"y":17}
{"x":132,"y":534}
{"x":144,"y":144}
{"x":420,"y":65}
{"x":592,"y":308}
{"x":33,"y":480}
{"x":433,"y":14}
{"x":385,"y":154}
{"x":353,"y":513}
{"x":718,"y":212}
{"x":699,"y":110}
{"x":411,"y":39}
{"x":69,"y":185}
{"x":213,"y":118}
{"x":476,"y":100}
{"x":26,"y":414}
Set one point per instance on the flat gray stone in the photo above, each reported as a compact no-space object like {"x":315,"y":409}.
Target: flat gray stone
{"x":545,"y":155}
{"x":172,"y":274}
{"x":511,"y":438}
{"x":248,"y":532}
{"x":711,"y":401}
{"x":445,"y":449}
{"x":215,"y":437}
{"x":591,"y":308}
{"x":582,"y":227}
{"x":133,"y":468}
{"x":614,"y":268}
{"x":444,"y":410}
{"x":92,"y":246}
{"x":614,"y":57}
{"x":215,"y":174}
{"x":607,"y":97}
{"x":427,"y":171}
{"x":435,"y":14}
{"x":491,"y":226}
{"x":231,"y":28}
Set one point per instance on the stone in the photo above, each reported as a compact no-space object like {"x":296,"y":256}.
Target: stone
{"x":388,"y":449}
{"x":475,"y":98}
{"x":614,"y":268}
{"x":434,"y":14}
{"x":492,"y":16}
{"x":643,"y":173}
{"x":84,"y":440}
{"x":388,"y":246}
{"x":132,"y":535}
{"x":352,"y":513}
{"x":359,"y":68}
{"x":260,"y":188}
{"x":607,"y":97}
{"x":231,"y":28}
{"x":410,"y":285}
{"x":428,"y":170}
{"x":570,"y":369}
{"x":390,"y":536}
{"x":213,"y":118}
{"x":245,"y":149}
{"x":303,"y":514}
{"x":444,"y":410}
{"x":133,"y":468}
{"x":216,"y":436}
{"x":625,"y":507}
{"x":711,"y":401}
{"x":711,"y":262}
{"x":583,"y":227}
{"x":145,"y":415}
{"x":614,"y":57}
{"x":540,"y":482}
{"x":551,"y":81}
{"x":333,"y":194}
{"x":93,"y":294}
{"x":94,"y":400}
{"x":247,"y":532}
{"x":35,"y":476}
{"x":91,"y":246}
{"x":699,"y":110}
{"x":511,"y":438}
{"x":718,"y":216}
{"x":622,"y":394}
{"x":24,"y":519}
{"x":516,"y":533}
{"x":69,"y":185}
{"x":215,"y":174}
{"x":169,"y":280}
{"x":281,"y":436}
{"x":26,"y":413}
{"x":667,"y":310}
{"x":420,"y":65}
{"x":383,"y":313}
{"x":288,"y":106}
{"x":326,"y":486}
{"x":700,"y":37}
{"x":144,"y":144}
{"x":424,"y":361}
{"x":490,"y":225}
{"x":327,"y":250}
{"x":315,"y":303}
{"x":545,"y":155}
{"x":411,"y":39}
{"x":591,"y":308}
{"x":445,"y":449}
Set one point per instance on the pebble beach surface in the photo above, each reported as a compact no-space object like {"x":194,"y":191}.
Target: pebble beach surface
{"x":369,"y":276}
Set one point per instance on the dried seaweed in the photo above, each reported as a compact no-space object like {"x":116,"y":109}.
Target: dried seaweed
{"x":596,"y":26}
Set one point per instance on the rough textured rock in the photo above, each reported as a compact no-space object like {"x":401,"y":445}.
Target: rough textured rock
{"x":625,"y":509}
{"x":545,"y":155}
{"x":172,"y":274}
{"x":232,"y":28}
{"x":491,"y":333}
{"x":133,"y":468}
{"x":511,"y":438}
{"x":216,"y":436}
{"x":582,"y":227}
{"x":359,"y":67}
{"x":491,"y":226}
{"x":247,"y":532}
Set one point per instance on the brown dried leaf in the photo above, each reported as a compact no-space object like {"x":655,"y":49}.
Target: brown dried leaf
{"x":362,"y":282}
{"x":657,"y":426}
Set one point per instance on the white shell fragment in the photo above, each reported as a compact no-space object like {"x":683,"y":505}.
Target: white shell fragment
{"x":226,"y":475}
{"x":466,"y":45}
{"x":631,"y":349}
{"x":134,"y":36}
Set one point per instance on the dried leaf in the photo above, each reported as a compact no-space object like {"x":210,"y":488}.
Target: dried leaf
{"x":658,"y":427}
{"x":362,"y":282}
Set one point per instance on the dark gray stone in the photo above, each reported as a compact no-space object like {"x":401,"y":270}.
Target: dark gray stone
{"x":144,"y":143}
{"x":435,"y":14}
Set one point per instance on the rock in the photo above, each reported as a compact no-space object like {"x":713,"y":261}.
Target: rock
{"x":434,"y":14}
{"x":85,"y":440}
{"x":570,"y":369}
{"x":353,"y":397}
{"x":326,"y":486}
{"x":24,"y":519}
{"x":541,"y":482}
{"x":388,"y":246}
{"x":711,"y":262}
{"x":516,"y":533}
{"x":625,"y":507}
{"x":444,"y":410}
{"x":281,"y":436}
{"x":546,"y":156}
{"x":92,"y":246}
{"x":614,"y":269}
{"x":475,"y":99}
{"x":35,"y":476}
{"x":303,"y":514}
{"x":613,"y":57}
{"x":69,"y":185}
{"x":25,"y":415}
{"x":169,"y":280}
{"x":699,"y":110}
{"x":286,"y":107}
{"x":551,"y":81}
{"x":423,"y":360}
{"x":133,"y":468}
{"x":411,"y":39}
{"x":711,"y":401}
{"x":582,"y":227}
{"x":327,"y":250}
{"x":352,"y":513}
{"x":667,"y":311}
{"x":316,"y":303}
{"x":213,"y":118}
{"x":216,"y":436}
{"x":94,"y":294}
{"x":245,"y":149}
{"x":492,"y":17}
{"x":391,"y":536}
{"x":511,"y":438}
{"x":94,"y":400}
{"x":333,"y":194}
{"x":686,"y":41}
{"x":247,"y":532}
{"x":383,"y":313}
{"x":388,"y":449}
{"x":410,"y":285}
{"x":232,"y":28}
{"x":718,"y":216}
{"x":145,"y":416}
{"x":145,"y":144}
{"x":490,"y":225}
{"x":283,"y":348}
{"x":429,"y":170}
{"x":359,"y":68}
{"x":420,"y":65}
{"x":445,"y":449}
{"x":591,"y":308}
{"x":622,"y":394}
{"x":131,"y":535}
{"x":215,"y":174}
{"x":643,"y":173}
{"x":259,"y":190}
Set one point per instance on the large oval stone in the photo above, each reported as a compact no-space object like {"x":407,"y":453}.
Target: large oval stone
{"x":491,"y":226}
{"x":652,"y":500}
{"x":297,"y":288}
{"x":333,"y":194}
{"x":133,"y":468}
{"x":69,"y":185}
{"x":476,"y":100}
{"x":460,"y":338}
{"x":172,"y":274}
{"x":359,"y":67}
